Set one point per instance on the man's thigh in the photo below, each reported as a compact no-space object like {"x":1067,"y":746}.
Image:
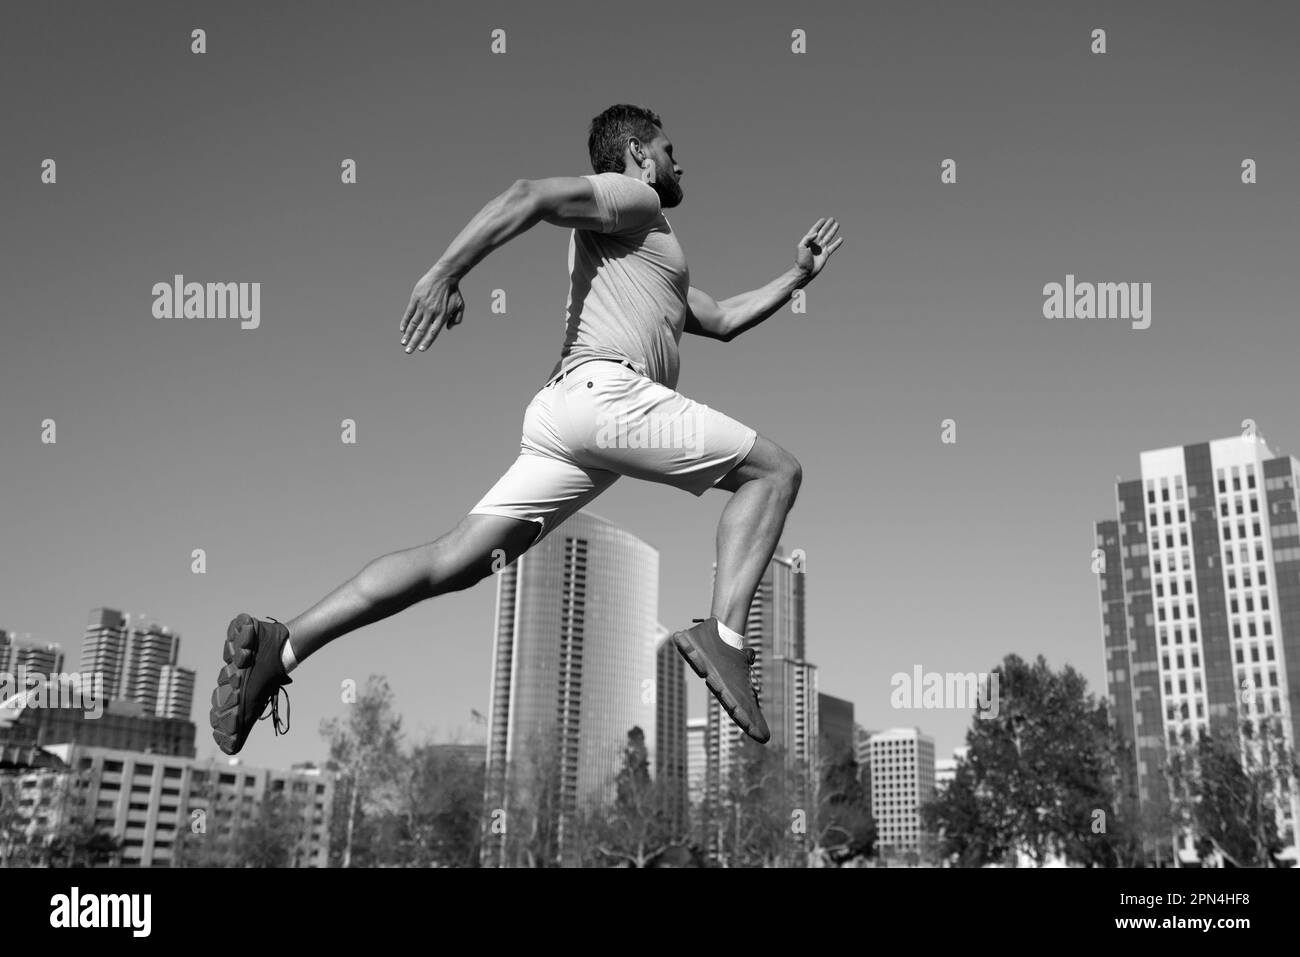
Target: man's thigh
{"x":615,"y":420}
{"x":542,"y":491}
{"x":484,"y":543}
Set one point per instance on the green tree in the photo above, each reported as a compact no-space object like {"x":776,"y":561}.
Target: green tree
{"x":79,"y":843}
{"x":845,"y":828}
{"x":1230,"y":785}
{"x":969,"y":833}
{"x":15,"y":837}
{"x":638,"y":830}
{"x":226,"y":832}
{"x":762,"y":816}
{"x":1038,"y":778}
{"x":271,"y":836}
{"x":441,"y":808}
{"x":525,"y":822}
{"x":366,"y":747}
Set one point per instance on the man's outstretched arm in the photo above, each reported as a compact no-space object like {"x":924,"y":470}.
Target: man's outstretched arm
{"x":436,"y":302}
{"x":729,"y":318}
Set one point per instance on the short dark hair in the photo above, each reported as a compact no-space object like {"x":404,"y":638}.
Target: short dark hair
{"x":609,"y":133}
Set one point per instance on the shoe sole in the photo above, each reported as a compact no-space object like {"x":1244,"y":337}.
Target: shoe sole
{"x":701,"y":665}
{"x":239,"y":653}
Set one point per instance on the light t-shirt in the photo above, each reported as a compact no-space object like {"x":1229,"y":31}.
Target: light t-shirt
{"x":627,"y":283}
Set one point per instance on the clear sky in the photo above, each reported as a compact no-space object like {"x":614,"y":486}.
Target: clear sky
{"x":175,"y":435}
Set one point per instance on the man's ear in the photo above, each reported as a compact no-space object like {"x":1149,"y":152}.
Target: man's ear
{"x":635,"y":146}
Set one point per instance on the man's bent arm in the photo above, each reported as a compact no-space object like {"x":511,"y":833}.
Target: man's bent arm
{"x":563,"y":200}
{"x":729,"y":318}
{"x":436,"y":302}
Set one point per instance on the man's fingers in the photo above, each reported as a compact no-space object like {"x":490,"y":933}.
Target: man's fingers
{"x":828,"y":232}
{"x":432,"y":332}
{"x":416,"y":329}
{"x":835,"y":245}
{"x":410,"y":311}
{"x":812,"y":233}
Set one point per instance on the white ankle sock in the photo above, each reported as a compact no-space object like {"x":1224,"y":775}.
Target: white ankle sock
{"x":287,"y":657}
{"x":735,"y":639}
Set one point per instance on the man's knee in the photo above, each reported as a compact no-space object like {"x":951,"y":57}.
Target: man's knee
{"x":794,"y":476}
{"x":776,"y":468}
{"x":788,"y":473}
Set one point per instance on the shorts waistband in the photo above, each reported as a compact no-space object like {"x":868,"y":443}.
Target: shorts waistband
{"x":559,"y":376}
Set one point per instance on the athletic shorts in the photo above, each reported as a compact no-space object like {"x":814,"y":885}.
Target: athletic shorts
{"x":601,"y":419}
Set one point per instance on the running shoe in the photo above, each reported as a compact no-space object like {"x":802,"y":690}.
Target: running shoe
{"x":250,"y":682}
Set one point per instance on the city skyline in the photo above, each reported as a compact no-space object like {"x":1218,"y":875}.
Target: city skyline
{"x":177,"y":435}
{"x":108,"y":649}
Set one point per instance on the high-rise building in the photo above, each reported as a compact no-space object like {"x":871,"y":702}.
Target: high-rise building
{"x":787,"y":681}
{"x":575,"y":662}
{"x":151,"y":648}
{"x":175,"y":692}
{"x":139,"y":661}
{"x":697,"y":760}
{"x":103,"y":648}
{"x":32,"y":657}
{"x":835,"y":740}
{"x":1199,"y":575}
{"x":902,"y":779}
{"x":670,"y":766}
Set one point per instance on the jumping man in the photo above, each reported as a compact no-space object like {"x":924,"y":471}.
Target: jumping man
{"x":629,"y":302}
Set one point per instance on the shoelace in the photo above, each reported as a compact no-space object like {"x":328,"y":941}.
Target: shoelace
{"x":754,"y":684}
{"x":272,"y":708}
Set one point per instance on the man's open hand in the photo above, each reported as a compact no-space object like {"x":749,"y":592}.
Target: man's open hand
{"x":436,"y":304}
{"x":817,"y":246}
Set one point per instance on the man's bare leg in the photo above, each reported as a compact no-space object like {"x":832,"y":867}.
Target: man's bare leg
{"x":465,"y":555}
{"x":259,"y":654}
{"x":765,"y":486}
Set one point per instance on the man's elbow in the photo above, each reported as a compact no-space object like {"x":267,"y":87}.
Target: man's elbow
{"x":727,"y":328}
{"x":523,"y":195}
